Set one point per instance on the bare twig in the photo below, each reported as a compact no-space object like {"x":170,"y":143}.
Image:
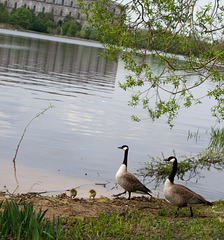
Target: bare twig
{"x":17,"y":149}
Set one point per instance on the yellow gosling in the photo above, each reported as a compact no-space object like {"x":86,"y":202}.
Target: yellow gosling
{"x":92,"y":193}
{"x":72,"y":192}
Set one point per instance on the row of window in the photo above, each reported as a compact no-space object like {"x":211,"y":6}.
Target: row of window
{"x":43,"y":10}
{"x":71,"y":5}
{"x":53,"y":2}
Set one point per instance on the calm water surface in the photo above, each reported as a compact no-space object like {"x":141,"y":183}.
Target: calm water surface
{"x":78,"y":138}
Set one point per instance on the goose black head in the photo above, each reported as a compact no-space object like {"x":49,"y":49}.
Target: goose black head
{"x":124,"y":147}
{"x":171,"y":159}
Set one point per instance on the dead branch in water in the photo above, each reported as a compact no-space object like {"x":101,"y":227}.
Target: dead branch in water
{"x":17,"y":149}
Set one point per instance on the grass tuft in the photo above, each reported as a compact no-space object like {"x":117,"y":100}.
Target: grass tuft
{"x":25,"y":223}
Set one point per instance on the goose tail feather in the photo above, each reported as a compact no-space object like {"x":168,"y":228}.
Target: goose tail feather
{"x":208,"y":203}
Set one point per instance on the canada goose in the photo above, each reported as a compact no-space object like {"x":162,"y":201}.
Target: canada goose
{"x":72,"y":192}
{"x":92,"y":193}
{"x":128,"y":181}
{"x":180,"y":195}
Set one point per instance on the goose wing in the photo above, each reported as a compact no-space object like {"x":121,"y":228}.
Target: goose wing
{"x":189,"y":197}
{"x":131,"y":184}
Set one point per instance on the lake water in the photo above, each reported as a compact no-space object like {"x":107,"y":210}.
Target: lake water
{"x":75,"y":142}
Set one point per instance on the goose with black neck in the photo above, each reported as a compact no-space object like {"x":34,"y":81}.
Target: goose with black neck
{"x":127,"y":180}
{"x":179,"y":195}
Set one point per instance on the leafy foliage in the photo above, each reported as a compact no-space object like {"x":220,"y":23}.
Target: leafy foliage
{"x":70,"y":28}
{"x":50,"y":26}
{"x":21,"y":17}
{"x":165,"y":29}
{"x":68,"y":18}
{"x":39,"y":25}
{"x":3,"y":13}
{"x":88,"y":32}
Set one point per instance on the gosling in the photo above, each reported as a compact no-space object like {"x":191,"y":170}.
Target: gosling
{"x":92,"y":193}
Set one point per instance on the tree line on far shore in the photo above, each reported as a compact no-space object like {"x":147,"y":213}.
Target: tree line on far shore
{"x":25,"y":18}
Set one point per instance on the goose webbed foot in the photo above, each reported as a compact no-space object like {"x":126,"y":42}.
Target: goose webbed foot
{"x":119,"y":194}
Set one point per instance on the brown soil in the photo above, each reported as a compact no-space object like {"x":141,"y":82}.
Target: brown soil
{"x":80,"y":207}
{"x":7,"y":26}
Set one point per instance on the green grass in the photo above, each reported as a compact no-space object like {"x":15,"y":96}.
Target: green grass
{"x":25,"y":223}
{"x":132,"y":225}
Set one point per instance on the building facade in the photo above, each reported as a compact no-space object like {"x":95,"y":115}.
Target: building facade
{"x":59,"y":8}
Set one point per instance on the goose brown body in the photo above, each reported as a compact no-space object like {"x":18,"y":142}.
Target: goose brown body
{"x":127,"y":180}
{"x":179,"y":195}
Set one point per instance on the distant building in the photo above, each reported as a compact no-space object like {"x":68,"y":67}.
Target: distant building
{"x":59,"y":8}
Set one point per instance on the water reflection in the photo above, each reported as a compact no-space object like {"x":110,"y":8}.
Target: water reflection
{"x":65,"y":68}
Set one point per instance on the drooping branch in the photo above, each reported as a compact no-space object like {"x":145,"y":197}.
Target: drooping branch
{"x":180,"y":35}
